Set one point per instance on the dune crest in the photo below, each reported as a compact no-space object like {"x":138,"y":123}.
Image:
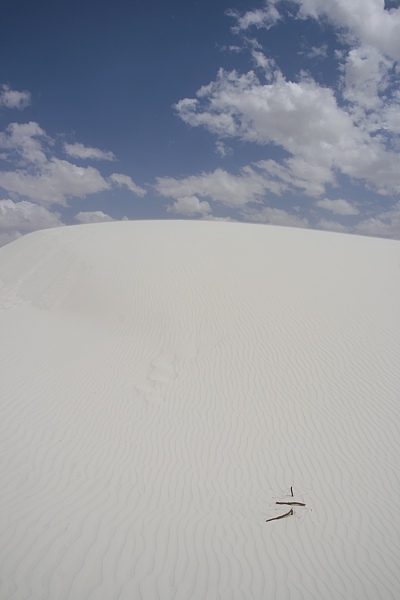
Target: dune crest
{"x":164,"y":385}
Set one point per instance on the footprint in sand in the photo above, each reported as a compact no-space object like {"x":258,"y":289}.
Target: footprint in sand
{"x":161,"y":371}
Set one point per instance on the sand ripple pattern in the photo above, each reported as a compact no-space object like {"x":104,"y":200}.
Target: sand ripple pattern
{"x":159,"y":398}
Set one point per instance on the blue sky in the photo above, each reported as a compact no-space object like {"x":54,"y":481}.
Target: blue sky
{"x":283,"y":111}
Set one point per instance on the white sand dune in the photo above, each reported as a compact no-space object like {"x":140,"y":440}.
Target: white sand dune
{"x":164,"y":384}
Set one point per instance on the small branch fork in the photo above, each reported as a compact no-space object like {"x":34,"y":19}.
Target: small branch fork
{"x":290,"y":512}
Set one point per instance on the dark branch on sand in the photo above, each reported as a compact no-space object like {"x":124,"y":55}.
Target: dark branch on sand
{"x":292,"y":503}
{"x":290,"y":512}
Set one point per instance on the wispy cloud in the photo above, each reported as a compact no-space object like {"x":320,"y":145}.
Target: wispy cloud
{"x":222,"y":149}
{"x":316,"y":52}
{"x":121,"y":180}
{"x":258,"y":17}
{"x":367,"y":22}
{"x":87,"y":153}
{"x":338,"y":207}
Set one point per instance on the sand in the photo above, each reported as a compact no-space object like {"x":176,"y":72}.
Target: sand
{"x":164,"y":384}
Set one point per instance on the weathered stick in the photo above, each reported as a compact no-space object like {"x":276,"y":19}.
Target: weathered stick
{"x":291,"y":490}
{"x":292,"y":503}
{"x":290,"y":512}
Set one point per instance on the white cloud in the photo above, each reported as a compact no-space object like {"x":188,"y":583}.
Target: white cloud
{"x":190,"y":205}
{"x":385,"y":223}
{"x":40,"y":176}
{"x":54,"y":182}
{"x":86,"y":152}
{"x":125,"y":181}
{"x":231,"y":48}
{"x":365,"y":77}
{"x":333,"y":226}
{"x":224,"y":219}
{"x":253,"y":184}
{"x":274,"y":216}
{"x":17,"y":218}
{"x":219,"y":185}
{"x":293,"y":115}
{"x":301,"y":117}
{"x":338,"y":207}
{"x":13,"y":99}
{"x":364,"y":20}
{"x":25,"y":141}
{"x":268,"y":65}
{"x":297,"y":175}
{"x":96,"y":216}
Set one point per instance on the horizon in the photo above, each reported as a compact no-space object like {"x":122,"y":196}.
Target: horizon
{"x":278,"y":112}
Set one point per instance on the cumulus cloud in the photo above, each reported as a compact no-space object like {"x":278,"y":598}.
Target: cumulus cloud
{"x":24,"y":141}
{"x":54,"y":182}
{"x":287,"y":113}
{"x":189,"y":206}
{"x":86,"y":152}
{"x":345,"y":134}
{"x":121,"y":180}
{"x":363,"y":20}
{"x":370,"y":86}
{"x":301,"y":117}
{"x":17,"y":218}
{"x":14,"y":99}
{"x":253,"y":184}
{"x":339,"y":207}
{"x":46,"y":179}
{"x":219,"y":185}
{"x":96,"y":216}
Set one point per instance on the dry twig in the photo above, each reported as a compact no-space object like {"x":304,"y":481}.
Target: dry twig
{"x":292,"y":503}
{"x":290,"y":512}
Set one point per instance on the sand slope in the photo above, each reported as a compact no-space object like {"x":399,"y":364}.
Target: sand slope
{"x":163,"y":384}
